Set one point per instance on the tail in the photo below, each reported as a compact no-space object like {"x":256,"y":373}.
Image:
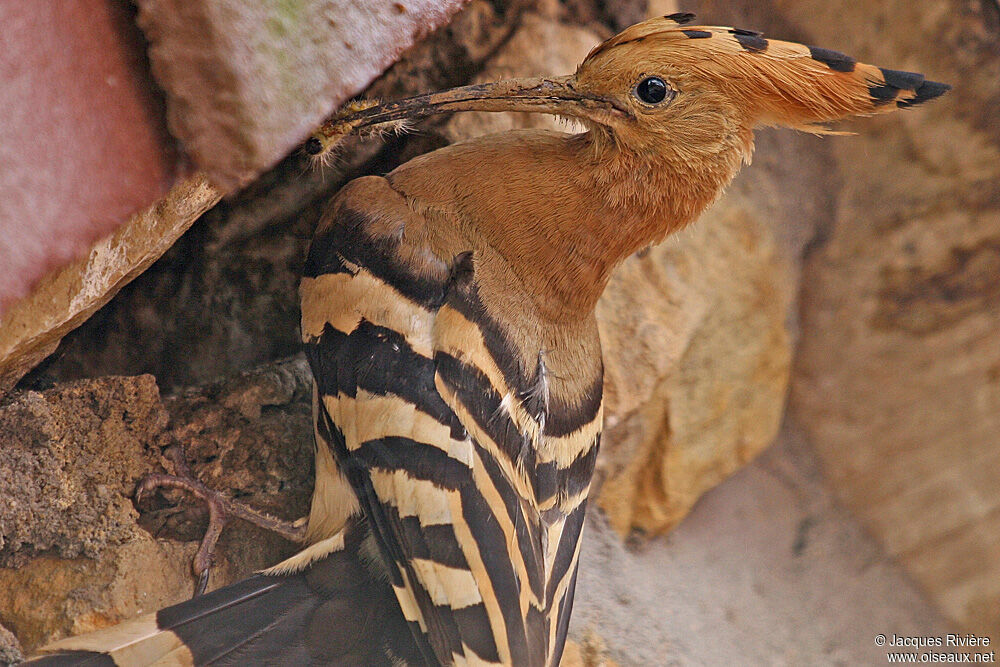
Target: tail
{"x":334,"y":612}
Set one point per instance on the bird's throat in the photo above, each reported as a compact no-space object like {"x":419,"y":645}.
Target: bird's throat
{"x":561,"y":211}
{"x":624,"y":202}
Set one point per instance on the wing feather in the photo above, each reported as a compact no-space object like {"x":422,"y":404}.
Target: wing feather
{"x":438,"y":430}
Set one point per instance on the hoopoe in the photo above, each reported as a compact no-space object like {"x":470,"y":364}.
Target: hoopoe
{"x":448,"y":317}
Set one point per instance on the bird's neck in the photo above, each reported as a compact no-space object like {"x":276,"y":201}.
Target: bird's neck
{"x":625,"y":202}
{"x":558,"y":212}
{"x":650,"y":194}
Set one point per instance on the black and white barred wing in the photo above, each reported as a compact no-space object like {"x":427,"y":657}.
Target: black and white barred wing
{"x":446,"y":477}
{"x":533,"y":461}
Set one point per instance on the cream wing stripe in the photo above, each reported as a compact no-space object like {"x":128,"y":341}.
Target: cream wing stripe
{"x":447,"y":586}
{"x":343,"y":300}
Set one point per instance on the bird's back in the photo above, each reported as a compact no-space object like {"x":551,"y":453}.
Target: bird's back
{"x":473,"y":476}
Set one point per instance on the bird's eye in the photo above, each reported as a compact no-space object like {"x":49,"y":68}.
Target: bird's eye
{"x":652,"y":90}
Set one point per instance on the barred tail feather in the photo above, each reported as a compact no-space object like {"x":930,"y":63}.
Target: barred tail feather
{"x":333,"y":612}
{"x":135,"y":642}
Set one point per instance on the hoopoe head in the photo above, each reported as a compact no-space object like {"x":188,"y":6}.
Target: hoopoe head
{"x":691,"y":88}
{"x":665,"y":83}
{"x":671,"y":107}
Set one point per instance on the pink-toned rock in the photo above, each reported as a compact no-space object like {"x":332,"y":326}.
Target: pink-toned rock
{"x":83,"y":142}
{"x":245,"y":82}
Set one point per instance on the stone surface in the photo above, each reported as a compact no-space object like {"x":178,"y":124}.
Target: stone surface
{"x":247,"y":81}
{"x":75,"y":554}
{"x":10,"y":649}
{"x":224,"y":298}
{"x":767,"y":569}
{"x":83,"y":144}
{"x":696,"y":374}
{"x":32,"y":328}
{"x":277,"y":70}
{"x":897,"y":380}
{"x":698,"y":335}
{"x":49,"y":598}
{"x":250,"y":434}
{"x":70,"y":458}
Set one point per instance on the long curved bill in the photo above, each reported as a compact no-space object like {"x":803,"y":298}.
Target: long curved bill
{"x":554,"y":95}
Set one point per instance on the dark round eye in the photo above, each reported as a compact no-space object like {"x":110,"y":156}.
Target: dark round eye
{"x":651,"y":90}
{"x":313,"y":146}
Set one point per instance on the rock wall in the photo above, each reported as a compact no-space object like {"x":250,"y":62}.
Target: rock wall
{"x":892,"y":357}
{"x":76,"y":553}
{"x":897,"y":380}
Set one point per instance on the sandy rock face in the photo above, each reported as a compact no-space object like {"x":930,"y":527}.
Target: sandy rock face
{"x":695,"y":390}
{"x":76,"y":554}
{"x":898,"y":376}
{"x":698,"y":336}
{"x":11,"y":652}
{"x":51,"y":597}
{"x":70,"y":458}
